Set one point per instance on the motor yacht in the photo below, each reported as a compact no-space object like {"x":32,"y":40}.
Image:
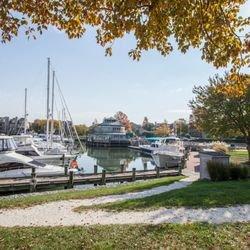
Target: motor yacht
{"x":14,"y":165}
{"x":28,"y":147}
{"x":161,"y":145}
{"x":171,"y":156}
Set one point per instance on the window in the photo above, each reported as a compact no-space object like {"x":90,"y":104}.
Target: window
{"x":7,"y":145}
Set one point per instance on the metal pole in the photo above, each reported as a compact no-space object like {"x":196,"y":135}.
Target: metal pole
{"x":48,"y":115}
{"x":25,"y":111}
{"x":52,"y":108}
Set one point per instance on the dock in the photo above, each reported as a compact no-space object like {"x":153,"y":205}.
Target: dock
{"x":34,"y":183}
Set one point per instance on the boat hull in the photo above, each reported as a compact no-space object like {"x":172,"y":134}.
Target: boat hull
{"x":166,"y":160}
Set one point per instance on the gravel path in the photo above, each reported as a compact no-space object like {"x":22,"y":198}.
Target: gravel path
{"x":61,"y":213}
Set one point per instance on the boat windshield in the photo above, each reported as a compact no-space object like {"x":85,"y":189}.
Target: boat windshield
{"x":171,"y":140}
{"x":22,"y":140}
{"x":7,"y":144}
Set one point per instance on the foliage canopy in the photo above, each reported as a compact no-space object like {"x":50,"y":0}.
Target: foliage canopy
{"x":214,"y":26}
{"x":222,"y":108}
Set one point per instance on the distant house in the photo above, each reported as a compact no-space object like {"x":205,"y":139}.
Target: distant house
{"x":12,"y":126}
{"x":109,"y":133}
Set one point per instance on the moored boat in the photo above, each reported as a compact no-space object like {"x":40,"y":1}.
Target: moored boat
{"x":14,"y":165}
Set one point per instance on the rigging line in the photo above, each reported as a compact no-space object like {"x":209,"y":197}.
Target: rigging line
{"x":57,"y":82}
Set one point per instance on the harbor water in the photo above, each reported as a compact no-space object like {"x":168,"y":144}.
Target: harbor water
{"x":111,"y":159}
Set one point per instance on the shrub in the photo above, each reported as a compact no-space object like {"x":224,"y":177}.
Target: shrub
{"x":212,"y":170}
{"x":220,"y":147}
{"x":244,"y":172}
{"x":235,"y":171}
{"x":223,"y":172}
{"x":218,"y":171}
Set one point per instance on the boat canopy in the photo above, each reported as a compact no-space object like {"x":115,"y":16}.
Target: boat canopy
{"x":7,"y":144}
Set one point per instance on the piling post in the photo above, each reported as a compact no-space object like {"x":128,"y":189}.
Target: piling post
{"x":71,"y":179}
{"x":181,"y":165}
{"x":103,"y":181}
{"x":133,"y":174}
{"x":63,"y":160}
{"x":145,"y":166}
{"x":65,"y":170}
{"x":33,"y":180}
{"x":95,"y":169}
{"x":157,"y":172}
{"x":95,"y":172}
{"x":122,"y":168}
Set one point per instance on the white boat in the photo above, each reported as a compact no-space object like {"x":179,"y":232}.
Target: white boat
{"x":27,"y":147}
{"x":170,"y":157}
{"x":161,"y":145}
{"x":14,"y":165}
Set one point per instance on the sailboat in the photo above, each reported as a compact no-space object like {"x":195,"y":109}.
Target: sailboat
{"x":49,"y":152}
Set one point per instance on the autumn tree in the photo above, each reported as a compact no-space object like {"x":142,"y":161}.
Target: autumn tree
{"x":181,"y":127}
{"x":123,"y":119}
{"x":222,"y":108}
{"x":214,"y":27}
{"x":39,"y":126}
{"x":162,"y":129}
{"x":147,"y":125}
{"x":81,"y":129}
{"x":193,"y":128}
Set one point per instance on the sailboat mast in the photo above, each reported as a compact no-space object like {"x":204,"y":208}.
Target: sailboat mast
{"x":48,"y":115}
{"x":25,"y":111}
{"x":52,"y":106}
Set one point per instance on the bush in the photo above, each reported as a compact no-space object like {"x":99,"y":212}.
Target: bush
{"x":218,"y":171}
{"x":235,"y":171}
{"x":244,"y":172}
{"x":220,"y":147}
{"x":223,"y":172}
{"x":212,"y":170}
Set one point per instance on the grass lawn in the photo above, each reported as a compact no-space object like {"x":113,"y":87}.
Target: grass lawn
{"x":238,"y":156}
{"x":91,"y":193}
{"x":166,"y":236}
{"x":199,"y":194}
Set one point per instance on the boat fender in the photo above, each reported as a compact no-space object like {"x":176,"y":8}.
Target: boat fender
{"x":74,"y":164}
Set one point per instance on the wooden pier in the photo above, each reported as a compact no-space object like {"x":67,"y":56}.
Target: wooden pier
{"x":35,"y":183}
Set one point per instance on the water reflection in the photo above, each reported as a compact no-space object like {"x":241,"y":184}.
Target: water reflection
{"x":111,"y":159}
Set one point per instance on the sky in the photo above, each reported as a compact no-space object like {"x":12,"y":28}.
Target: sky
{"x":96,"y":86}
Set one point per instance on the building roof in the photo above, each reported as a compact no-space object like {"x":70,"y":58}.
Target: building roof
{"x":116,"y":123}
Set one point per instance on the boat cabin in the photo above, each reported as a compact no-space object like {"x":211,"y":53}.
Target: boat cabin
{"x":7,"y":144}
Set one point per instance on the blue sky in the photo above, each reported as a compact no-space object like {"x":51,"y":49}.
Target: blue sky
{"x":96,"y":86}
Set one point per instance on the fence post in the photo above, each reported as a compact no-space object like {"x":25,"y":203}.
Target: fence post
{"x":71,"y":179}
{"x":145,"y":166}
{"x":133,"y":174}
{"x":103,"y":181}
{"x":157,"y":172}
{"x":33,"y":180}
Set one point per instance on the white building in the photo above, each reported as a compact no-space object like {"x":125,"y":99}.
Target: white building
{"x":109,"y":133}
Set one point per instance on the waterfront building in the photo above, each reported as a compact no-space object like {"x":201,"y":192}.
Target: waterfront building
{"x":109,"y":133}
{"x":12,"y":126}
